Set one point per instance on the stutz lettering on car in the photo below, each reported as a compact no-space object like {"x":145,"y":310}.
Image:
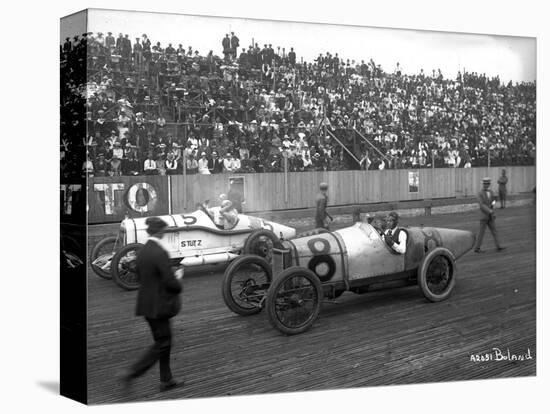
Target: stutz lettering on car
{"x":432,"y":239}
{"x":322,"y":264}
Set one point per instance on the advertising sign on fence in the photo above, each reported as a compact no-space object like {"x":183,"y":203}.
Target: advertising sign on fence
{"x":413,"y":181}
{"x":110,"y":199}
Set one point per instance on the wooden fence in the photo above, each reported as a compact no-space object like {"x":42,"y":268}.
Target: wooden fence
{"x":270,"y":191}
{"x":110,"y":199}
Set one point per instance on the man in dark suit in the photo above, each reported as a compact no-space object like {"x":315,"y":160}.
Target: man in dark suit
{"x":502,"y":181}
{"x":234,"y":45}
{"x":321,"y":201}
{"x":158,"y":300}
{"x":226,"y":45}
{"x":215,"y":164}
{"x":486,"y":199}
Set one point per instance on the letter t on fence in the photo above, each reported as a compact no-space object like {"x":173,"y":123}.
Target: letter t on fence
{"x":109,"y":190}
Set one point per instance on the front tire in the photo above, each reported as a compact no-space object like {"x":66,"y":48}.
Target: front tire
{"x":436,"y":274}
{"x":245,"y":283}
{"x":294,"y":300}
{"x":123,"y":266}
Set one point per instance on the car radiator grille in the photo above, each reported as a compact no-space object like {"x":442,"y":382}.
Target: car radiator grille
{"x":281,"y":260}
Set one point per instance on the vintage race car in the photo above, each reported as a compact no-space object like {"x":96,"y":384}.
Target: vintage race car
{"x":192,"y":240}
{"x":306,"y":270}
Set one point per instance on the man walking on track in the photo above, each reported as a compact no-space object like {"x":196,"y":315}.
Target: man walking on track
{"x":487,"y":201}
{"x":158,"y":300}
{"x":321,"y":201}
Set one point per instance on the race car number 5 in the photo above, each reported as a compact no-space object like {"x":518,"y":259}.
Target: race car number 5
{"x":191,"y":243}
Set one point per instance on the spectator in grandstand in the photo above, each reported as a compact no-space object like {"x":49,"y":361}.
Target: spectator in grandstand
{"x":226,"y":46}
{"x":102,"y":169}
{"x":109,"y":42}
{"x":116,"y":156}
{"x":130,"y":164}
{"x":215,"y":164}
{"x":292,"y":57}
{"x":192,"y":164}
{"x":365,"y":161}
{"x":149,"y":165}
{"x":468,"y":121}
{"x":234,"y":45}
{"x":88,"y":167}
{"x":203,"y":164}
{"x":228,"y":163}
{"x":171,"y":164}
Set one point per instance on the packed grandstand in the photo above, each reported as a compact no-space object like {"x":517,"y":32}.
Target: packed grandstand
{"x":162,"y":109}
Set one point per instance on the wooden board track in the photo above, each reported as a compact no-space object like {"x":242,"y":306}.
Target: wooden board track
{"x":380,"y":338}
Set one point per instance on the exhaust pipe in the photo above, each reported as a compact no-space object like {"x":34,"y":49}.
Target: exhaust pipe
{"x":208,"y":259}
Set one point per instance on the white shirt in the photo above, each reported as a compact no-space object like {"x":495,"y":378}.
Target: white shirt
{"x":149,"y":165}
{"x":401,"y":246}
{"x":203,"y":166}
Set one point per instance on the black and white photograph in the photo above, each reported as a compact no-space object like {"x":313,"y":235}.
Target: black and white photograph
{"x":337,"y":270}
{"x":262,"y":206}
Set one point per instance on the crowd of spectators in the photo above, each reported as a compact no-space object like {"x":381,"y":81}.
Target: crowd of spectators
{"x":155,"y":109}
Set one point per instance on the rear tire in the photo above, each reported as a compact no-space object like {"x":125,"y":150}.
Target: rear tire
{"x":261,"y":243}
{"x":437,"y":274}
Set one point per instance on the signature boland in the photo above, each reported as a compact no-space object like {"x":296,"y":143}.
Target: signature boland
{"x":498,"y":354}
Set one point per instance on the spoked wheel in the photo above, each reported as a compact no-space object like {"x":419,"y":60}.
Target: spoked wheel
{"x":102,"y":255}
{"x":123,"y":266}
{"x":245,"y":283}
{"x":436,"y":274}
{"x":294,"y":300}
{"x":261,"y":243}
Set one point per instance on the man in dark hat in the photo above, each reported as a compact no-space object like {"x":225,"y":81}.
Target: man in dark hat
{"x":487,"y":200}
{"x":158,"y":300}
{"x":321,"y":201}
{"x":394,"y":236}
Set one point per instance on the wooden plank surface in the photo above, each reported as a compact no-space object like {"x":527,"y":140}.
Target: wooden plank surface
{"x":385,"y":337}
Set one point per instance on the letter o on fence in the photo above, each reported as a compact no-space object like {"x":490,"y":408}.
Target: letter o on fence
{"x":142,"y":197}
